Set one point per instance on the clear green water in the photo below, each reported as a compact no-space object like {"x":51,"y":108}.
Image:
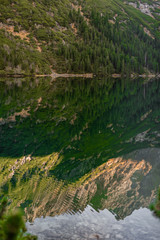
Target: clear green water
{"x":75,"y":147}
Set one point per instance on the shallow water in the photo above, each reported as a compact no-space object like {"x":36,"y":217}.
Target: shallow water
{"x":82,"y":153}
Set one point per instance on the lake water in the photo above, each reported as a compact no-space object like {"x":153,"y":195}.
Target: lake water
{"x":81,"y":157}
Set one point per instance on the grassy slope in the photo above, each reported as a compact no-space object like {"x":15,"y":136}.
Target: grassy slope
{"x":45,"y":26}
{"x":48,"y":25}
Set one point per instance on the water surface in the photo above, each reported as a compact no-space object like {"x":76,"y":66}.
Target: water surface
{"x":84,"y":153}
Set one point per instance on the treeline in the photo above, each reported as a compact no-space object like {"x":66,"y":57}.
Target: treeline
{"x":107,"y":48}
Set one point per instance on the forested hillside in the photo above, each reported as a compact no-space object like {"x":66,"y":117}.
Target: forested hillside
{"x":99,"y":36}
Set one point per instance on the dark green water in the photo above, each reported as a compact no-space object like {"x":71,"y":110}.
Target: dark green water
{"x":71,"y":147}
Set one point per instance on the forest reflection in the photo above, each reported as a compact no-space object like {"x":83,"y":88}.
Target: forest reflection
{"x":66,"y":143}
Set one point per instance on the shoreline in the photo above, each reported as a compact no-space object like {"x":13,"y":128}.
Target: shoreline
{"x":80,"y":75}
{"x":66,"y":75}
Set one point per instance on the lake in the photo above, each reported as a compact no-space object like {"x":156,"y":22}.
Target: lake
{"x":80,"y":156}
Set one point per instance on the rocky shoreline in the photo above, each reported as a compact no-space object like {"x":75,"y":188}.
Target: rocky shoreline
{"x":79,"y":75}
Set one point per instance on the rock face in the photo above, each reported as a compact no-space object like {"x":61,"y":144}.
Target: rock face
{"x":146,"y":8}
{"x":118,"y":185}
{"x":23,"y":114}
{"x":17,"y":165}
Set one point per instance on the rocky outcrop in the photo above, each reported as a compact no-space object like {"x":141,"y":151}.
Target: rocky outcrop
{"x":12,"y":118}
{"x":118,"y":185}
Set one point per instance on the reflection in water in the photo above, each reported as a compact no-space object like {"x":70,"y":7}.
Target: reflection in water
{"x":141,"y":225}
{"x":118,"y":185}
{"x":67,"y":144}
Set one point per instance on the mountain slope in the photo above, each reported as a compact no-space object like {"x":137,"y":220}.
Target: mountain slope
{"x":79,"y":36}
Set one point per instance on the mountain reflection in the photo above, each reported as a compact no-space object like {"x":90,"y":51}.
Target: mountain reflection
{"x":65,"y":144}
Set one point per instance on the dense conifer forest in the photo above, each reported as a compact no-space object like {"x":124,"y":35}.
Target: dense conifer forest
{"x":103,"y":37}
